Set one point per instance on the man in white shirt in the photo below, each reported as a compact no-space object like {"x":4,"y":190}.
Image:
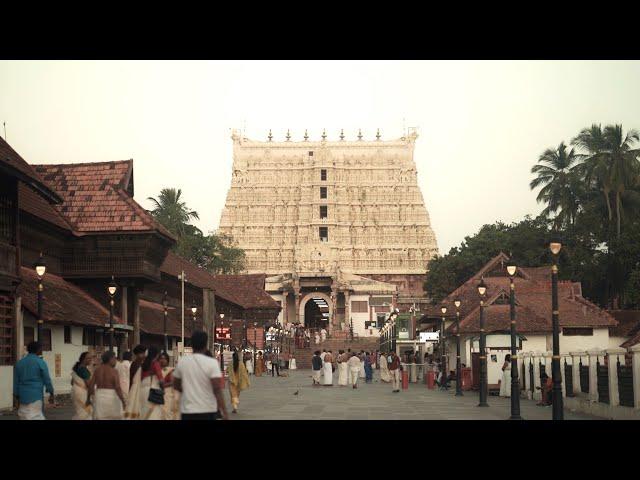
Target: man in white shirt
{"x":354,"y":369}
{"x":123,"y":368}
{"x":200,"y":380}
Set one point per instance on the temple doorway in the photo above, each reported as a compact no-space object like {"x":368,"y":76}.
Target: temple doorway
{"x":316,"y":311}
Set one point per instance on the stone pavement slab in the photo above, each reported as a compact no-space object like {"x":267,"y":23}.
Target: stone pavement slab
{"x":272,"y":398}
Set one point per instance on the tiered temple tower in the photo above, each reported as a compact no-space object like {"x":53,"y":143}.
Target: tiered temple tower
{"x":326,"y":209}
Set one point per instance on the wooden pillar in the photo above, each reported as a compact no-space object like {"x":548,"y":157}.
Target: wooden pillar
{"x":209,"y":314}
{"x":334,"y":305}
{"x":297,"y":300}
{"x":347,"y":309}
{"x":635,"y":350}
{"x":285,"y":310}
{"x":135,"y":294}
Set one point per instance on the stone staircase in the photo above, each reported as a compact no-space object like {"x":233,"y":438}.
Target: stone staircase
{"x":339,"y":340}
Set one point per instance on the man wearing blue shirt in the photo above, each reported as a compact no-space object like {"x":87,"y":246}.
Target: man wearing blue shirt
{"x":30,"y":377}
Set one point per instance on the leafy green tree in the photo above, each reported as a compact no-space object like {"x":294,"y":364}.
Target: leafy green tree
{"x":557,"y":174}
{"x":172,"y":212}
{"x":217,"y":254}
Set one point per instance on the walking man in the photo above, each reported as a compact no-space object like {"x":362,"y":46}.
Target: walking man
{"x":30,"y":377}
{"x":354,"y":369}
{"x":316,"y":365}
{"x":199,"y":379}
{"x":275,"y":364}
{"x":394,"y":369}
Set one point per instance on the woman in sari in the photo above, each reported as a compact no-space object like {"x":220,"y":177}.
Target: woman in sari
{"x":238,"y":380}
{"x":385,"y":376}
{"x":260,"y":368}
{"x":80,"y":387}
{"x":151,"y":377}
{"x":343,"y":369}
{"x":505,"y":384}
{"x":171,"y":407}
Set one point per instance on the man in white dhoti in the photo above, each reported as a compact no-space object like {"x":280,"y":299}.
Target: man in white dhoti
{"x":343,"y":369}
{"x":362,"y":373}
{"x":316,"y":365}
{"x":328,"y":369}
{"x":323,"y":335}
{"x":30,"y":378}
{"x":385,"y":376}
{"x":354,"y":369}
{"x":124,"y":369}
{"x":322,"y":355}
{"x":109,"y":402}
{"x":317,"y":338}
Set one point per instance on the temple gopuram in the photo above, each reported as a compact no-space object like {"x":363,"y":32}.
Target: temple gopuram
{"x":339,"y":227}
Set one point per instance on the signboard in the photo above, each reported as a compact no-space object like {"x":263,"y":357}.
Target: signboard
{"x":58,"y":365}
{"x":429,"y":336}
{"x":223,"y":333}
{"x":403,"y":333}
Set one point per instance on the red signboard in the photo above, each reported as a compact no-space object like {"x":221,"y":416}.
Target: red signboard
{"x":223,"y":333}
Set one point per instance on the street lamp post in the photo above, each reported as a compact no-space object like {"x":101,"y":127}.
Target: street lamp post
{"x":165,"y":305}
{"x":558,"y":414}
{"x":457,"y":303}
{"x":41,"y":268}
{"x":111,"y":289}
{"x":351,"y":329}
{"x":194,"y":312}
{"x":443,"y":355}
{"x":515,"y":384}
{"x":255,"y":339}
{"x":482,"y":290}
{"x":221,"y":340}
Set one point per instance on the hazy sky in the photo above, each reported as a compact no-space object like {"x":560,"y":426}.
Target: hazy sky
{"x":482,"y":124}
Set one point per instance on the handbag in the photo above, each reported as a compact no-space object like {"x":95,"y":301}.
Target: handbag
{"x":156,"y":395}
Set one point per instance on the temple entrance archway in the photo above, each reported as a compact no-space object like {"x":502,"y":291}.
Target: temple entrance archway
{"x":316,"y":310}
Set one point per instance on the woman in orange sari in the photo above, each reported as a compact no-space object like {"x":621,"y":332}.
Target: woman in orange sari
{"x":260,"y":367}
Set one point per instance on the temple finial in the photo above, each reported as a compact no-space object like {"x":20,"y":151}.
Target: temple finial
{"x":324,"y":134}
{"x":306,"y":137}
{"x":342,"y":134}
{"x":288,"y":135}
{"x":270,"y":136}
{"x":359,"y":134}
{"x":378,"y":135}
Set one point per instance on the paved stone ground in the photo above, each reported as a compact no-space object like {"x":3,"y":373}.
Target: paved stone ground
{"x":271,"y":398}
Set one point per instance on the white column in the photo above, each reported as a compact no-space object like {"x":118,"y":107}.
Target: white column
{"x":614,"y":393}
{"x":575,"y":361}
{"x":636,"y":375}
{"x":593,"y":373}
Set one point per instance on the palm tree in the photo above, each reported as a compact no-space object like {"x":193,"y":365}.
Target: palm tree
{"x":556,"y":171}
{"x":610,"y":163}
{"x":171,"y":212}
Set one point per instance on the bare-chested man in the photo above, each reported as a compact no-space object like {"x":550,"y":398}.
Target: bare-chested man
{"x":109,"y":402}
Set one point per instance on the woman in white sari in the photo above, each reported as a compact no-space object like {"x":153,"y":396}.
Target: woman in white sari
{"x":328,"y":369}
{"x":80,"y":383}
{"x":505,"y":384}
{"x":385,"y":376}
{"x":151,"y":378}
{"x":362,"y":373}
{"x":171,"y":407}
{"x":343,"y":369}
{"x":248,"y":362}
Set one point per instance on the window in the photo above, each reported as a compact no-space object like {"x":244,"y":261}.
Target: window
{"x":323,"y":211}
{"x":29,"y":335}
{"x":323,"y":175}
{"x":311,"y":154}
{"x":88,"y":336}
{"x":324,"y":234}
{"x":46,"y":340}
{"x":323,"y":192}
{"x":574,"y":332}
{"x":67,"y":334}
{"x":7,"y":331}
{"x":359,"y":306}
